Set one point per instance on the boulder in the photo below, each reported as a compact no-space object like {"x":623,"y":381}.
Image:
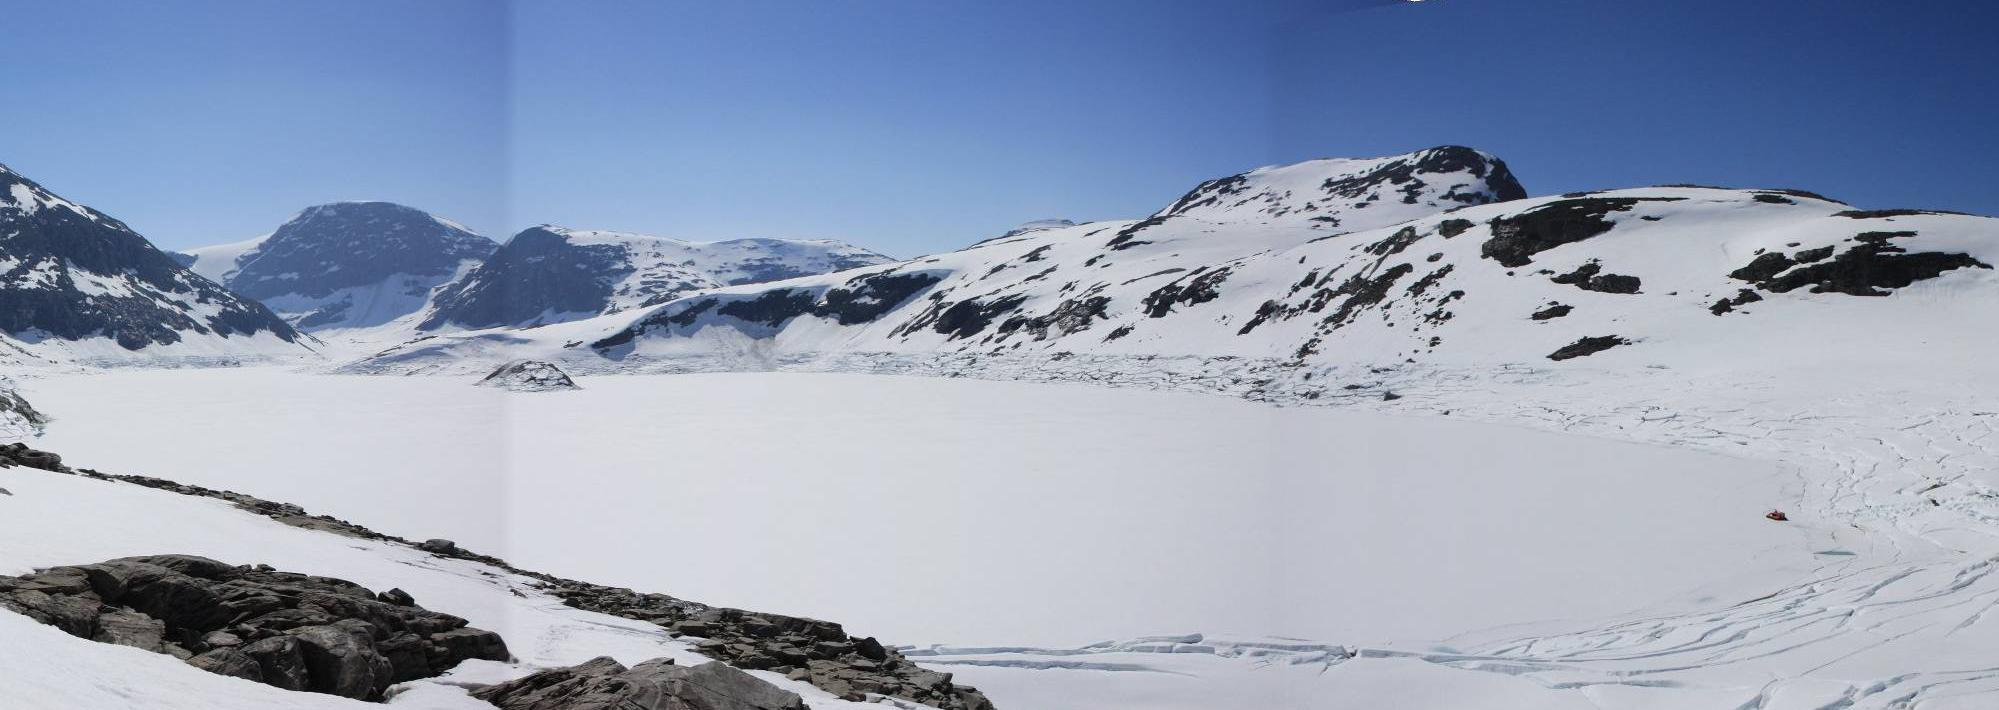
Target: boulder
{"x":658,"y":684}
{"x":341,"y":660}
{"x":229,"y":662}
{"x":130,"y":628}
{"x":280,"y":662}
{"x":529,"y":376}
{"x":291,"y":631}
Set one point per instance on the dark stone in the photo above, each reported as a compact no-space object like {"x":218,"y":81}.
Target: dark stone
{"x":397,"y":597}
{"x":1553,"y":311}
{"x":341,"y":660}
{"x":279,"y":662}
{"x":1742,"y":297}
{"x":1590,"y":277}
{"x":1587,"y":346}
{"x":603,"y":684}
{"x":229,"y":662}
{"x":1763,"y":267}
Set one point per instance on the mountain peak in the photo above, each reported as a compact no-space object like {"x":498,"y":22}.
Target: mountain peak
{"x":74,"y":273}
{"x":347,"y":264}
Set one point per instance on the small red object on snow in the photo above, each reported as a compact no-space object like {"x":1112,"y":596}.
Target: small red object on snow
{"x":1777,"y":515}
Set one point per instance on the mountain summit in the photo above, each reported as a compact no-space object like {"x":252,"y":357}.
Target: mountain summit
{"x":72,"y":273}
{"x":346,"y":264}
{"x":1352,"y":194}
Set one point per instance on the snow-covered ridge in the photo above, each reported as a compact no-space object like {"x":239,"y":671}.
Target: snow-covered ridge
{"x":1623,"y":277}
{"x":549,"y":274}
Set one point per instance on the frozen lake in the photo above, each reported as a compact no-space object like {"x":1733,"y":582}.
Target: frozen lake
{"x":929,"y":510}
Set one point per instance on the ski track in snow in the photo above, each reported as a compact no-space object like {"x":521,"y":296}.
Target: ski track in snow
{"x":1892,"y":490}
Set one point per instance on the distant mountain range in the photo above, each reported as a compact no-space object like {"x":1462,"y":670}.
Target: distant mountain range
{"x":366,"y":264}
{"x":1435,"y":256}
{"x":1432,"y":256}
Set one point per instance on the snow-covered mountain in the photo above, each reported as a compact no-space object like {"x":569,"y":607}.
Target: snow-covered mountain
{"x":73,"y":279}
{"x":549,"y":274}
{"x":1416,"y":258}
{"x":346,"y":264}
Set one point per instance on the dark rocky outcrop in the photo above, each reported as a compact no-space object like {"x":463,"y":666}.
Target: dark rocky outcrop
{"x":75,"y":273}
{"x":529,"y":376}
{"x":289,"y":630}
{"x":1873,"y":266}
{"x":1517,"y":238}
{"x":1590,"y":277}
{"x":658,"y":684}
{"x":1742,"y":297}
{"x":1198,"y":286}
{"x":1587,"y":346}
{"x":1553,"y":311}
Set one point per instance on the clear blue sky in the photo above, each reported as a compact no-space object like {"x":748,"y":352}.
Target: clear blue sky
{"x":921,"y":125}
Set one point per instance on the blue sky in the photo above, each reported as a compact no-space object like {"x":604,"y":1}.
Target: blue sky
{"x":916,"y":126}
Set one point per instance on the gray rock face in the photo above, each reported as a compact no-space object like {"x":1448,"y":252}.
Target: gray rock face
{"x":292,"y":631}
{"x":74,"y":273}
{"x":604,"y":684}
{"x":346,"y":263}
{"x":529,"y":376}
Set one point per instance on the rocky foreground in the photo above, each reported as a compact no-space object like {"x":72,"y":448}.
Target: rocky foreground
{"x":353,"y":642}
{"x":283,"y":629}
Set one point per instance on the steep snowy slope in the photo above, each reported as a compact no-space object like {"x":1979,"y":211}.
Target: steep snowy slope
{"x":1253,"y":266}
{"x":549,"y":274}
{"x":346,"y":264}
{"x":73,"y":280}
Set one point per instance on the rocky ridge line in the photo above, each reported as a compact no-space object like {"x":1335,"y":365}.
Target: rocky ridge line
{"x":818,"y":652}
